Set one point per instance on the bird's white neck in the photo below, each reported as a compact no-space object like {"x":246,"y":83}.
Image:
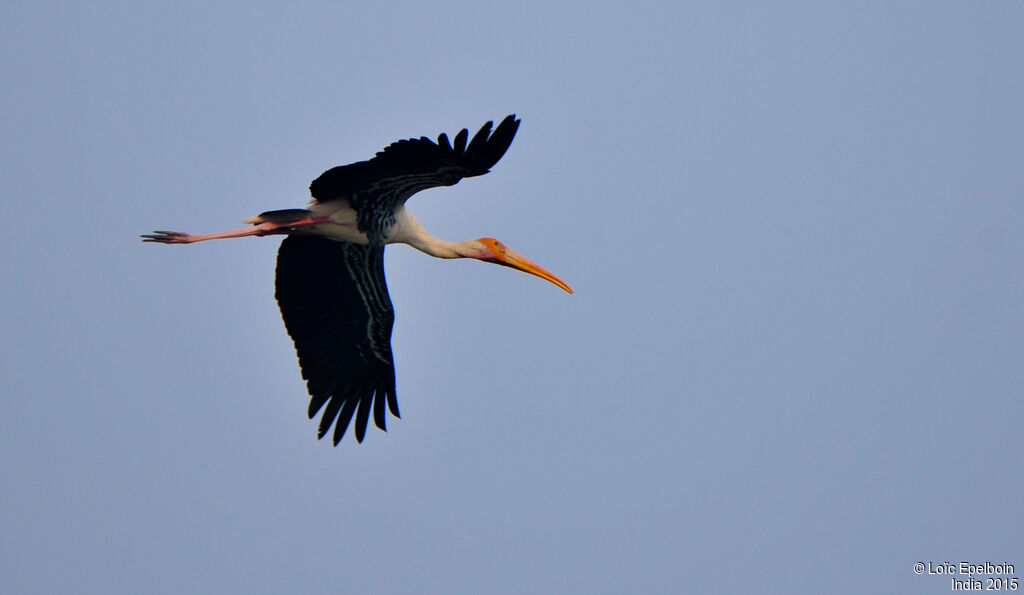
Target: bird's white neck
{"x":407,"y":230}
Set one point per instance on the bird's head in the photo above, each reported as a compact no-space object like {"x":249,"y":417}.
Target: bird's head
{"x":491,"y":250}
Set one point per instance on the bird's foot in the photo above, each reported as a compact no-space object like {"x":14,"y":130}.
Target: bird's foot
{"x":168,"y":237}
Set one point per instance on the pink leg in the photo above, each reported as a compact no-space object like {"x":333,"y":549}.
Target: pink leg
{"x":262,"y":229}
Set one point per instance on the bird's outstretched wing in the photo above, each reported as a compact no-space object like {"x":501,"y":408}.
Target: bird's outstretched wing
{"x":335,"y":305}
{"x":375,"y":188}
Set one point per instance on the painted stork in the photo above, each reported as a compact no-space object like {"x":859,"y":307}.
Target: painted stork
{"x":330,"y":268}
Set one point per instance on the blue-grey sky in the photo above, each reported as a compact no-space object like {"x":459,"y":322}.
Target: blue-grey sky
{"x":793,"y":362}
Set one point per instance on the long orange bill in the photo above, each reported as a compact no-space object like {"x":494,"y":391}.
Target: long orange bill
{"x":520,"y":262}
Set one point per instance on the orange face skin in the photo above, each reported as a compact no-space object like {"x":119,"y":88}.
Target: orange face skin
{"x":503,"y":255}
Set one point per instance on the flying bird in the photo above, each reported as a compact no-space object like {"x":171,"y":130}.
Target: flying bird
{"x":330,"y":282}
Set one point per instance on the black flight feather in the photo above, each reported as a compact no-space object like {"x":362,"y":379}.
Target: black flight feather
{"x":375,"y":188}
{"x":335,"y":304}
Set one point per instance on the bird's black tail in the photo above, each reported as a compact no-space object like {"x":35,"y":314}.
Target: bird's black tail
{"x":281,"y":216}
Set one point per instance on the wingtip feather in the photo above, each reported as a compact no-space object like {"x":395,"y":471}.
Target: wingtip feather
{"x":328,"y":417}
{"x":363,"y":415}
{"x":344,"y":418}
{"x":460,"y":141}
{"x":479,"y":139}
{"x":379,"y":410}
{"x":497,"y":145}
{"x":393,"y":403}
{"x":316,"y":403}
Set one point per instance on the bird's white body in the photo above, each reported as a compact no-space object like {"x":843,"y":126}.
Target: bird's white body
{"x":342,"y":225}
